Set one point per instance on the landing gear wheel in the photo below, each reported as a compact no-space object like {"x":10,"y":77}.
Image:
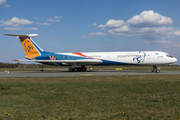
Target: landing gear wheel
{"x":79,"y":69}
{"x":83,"y":69}
{"x":71,"y":69}
{"x":75,"y":69}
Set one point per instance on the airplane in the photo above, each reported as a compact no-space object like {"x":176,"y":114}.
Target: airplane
{"x":78,"y":60}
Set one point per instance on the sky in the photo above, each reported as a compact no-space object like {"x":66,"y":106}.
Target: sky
{"x":90,"y":26}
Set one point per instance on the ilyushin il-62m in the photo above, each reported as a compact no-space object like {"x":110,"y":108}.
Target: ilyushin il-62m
{"x":78,"y":60}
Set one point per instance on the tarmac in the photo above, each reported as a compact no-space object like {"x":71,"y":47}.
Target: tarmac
{"x":87,"y":73}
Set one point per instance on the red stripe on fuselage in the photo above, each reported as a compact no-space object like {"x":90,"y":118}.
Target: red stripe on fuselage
{"x":80,"y":54}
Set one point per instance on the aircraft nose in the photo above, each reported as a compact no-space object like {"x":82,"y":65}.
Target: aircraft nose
{"x":174,"y":60}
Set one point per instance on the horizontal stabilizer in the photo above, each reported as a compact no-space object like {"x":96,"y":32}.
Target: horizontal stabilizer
{"x":22,"y":36}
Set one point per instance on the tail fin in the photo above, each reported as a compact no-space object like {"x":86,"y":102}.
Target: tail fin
{"x":30,"y":47}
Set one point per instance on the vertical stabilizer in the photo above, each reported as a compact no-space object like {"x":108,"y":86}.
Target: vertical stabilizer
{"x":31,"y":49}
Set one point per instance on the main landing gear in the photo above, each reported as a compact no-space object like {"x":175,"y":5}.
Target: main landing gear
{"x":78,"y":69}
{"x":156,"y":69}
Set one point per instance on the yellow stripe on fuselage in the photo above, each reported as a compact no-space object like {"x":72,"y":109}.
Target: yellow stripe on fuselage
{"x":29,"y":48}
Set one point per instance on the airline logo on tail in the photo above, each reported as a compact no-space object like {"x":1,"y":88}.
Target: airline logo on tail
{"x":29,"y":48}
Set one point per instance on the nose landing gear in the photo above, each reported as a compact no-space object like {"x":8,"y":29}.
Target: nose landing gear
{"x":156,"y":69}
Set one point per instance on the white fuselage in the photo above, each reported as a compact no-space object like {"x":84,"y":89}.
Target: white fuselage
{"x":134,"y":57}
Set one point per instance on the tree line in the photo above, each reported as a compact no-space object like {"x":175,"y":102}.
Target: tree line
{"x":8,"y":65}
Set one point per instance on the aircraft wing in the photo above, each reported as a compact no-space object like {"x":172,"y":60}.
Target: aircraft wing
{"x":66,"y":62}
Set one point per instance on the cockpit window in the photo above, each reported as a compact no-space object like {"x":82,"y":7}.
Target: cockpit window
{"x":169,"y":55}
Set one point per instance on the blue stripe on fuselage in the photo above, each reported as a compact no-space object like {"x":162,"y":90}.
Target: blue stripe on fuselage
{"x":46,"y":56}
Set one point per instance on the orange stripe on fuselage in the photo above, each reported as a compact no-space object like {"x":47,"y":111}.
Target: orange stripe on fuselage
{"x":29,"y":48}
{"x":80,"y":54}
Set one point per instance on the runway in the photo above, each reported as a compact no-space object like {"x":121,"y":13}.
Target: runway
{"x":88,"y":73}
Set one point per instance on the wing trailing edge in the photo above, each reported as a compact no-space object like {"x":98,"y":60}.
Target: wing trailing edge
{"x":65,"y":62}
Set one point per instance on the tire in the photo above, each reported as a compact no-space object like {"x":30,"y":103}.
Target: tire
{"x":83,"y":69}
{"x":71,"y":69}
{"x":79,"y":69}
{"x":75,"y":69}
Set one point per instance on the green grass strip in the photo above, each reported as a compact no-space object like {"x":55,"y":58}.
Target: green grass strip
{"x":80,"y":98}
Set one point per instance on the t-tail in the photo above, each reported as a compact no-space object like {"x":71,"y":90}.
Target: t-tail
{"x":31,"y":49}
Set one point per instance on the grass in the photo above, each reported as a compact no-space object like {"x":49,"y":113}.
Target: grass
{"x":72,"y":98}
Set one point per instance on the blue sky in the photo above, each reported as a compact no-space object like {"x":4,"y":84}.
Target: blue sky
{"x":91,"y":26}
